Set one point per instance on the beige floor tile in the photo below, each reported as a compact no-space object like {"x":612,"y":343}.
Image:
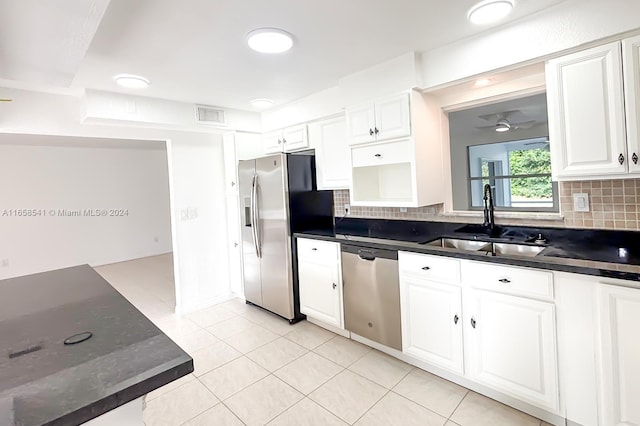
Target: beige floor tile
{"x":229,"y":327}
{"x":308,"y":372}
{"x":196,"y":340}
{"x":450,"y":423}
{"x":233,"y":377}
{"x":176,"y":326}
{"x":348,"y":395}
{"x":216,"y":416}
{"x":342,"y":351}
{"x":394,"y":410}
{"x":257,"y":315}
{"x":251,"y":339}
{"x":432,"y":392}
{"x":278,"y":325}
{"x":309,"y":335}
{"x":478,"y":410}
{"x":238,"y":306}
{"x":381,"y":368}
{"x":306,"y":413}
{"x":170,"y":386}
{"x":179,"y":405}
{"x":276,"y":354}
{"x":213,"y":356}
{"x":210,"y":316}
{"x":263,"y":401}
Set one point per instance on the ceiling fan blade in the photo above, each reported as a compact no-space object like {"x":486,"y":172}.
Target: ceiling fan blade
{"x":525,"y":124}
{"x":497,"y":116}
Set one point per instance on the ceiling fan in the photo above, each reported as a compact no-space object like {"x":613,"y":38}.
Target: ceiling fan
{"x":502,"y":123}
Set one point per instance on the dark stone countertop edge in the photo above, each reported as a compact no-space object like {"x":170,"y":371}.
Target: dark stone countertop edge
{"x":124,"y":396}
{"x":578,"y":266}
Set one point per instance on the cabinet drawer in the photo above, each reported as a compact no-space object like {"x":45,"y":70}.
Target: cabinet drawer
{"x":509,"y":279}
{"x":437,"y":268}
{"x":318,"y":251}
{"x":385,"y":153}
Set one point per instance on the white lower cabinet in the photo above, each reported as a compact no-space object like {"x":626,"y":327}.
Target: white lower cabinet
{"x":320,"y":281}
{"x":431,"y":311}
{"x":620,"y":355}
{"x":511,"y":346}
{"x":493,"y":324}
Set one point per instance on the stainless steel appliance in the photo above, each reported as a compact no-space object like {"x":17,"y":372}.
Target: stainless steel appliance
{"x":372,"y":294}
{"x":278,"y":197}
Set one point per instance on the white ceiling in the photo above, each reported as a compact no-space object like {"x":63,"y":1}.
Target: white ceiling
{"x":195,"y":50}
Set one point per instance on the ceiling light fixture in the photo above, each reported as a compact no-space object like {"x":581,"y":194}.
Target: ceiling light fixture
{"x":489,"y":11}
{"x":262,"y":103}
{"x":131,"y":81}
{"x":503,"y":126}
{"x":269,"y":40}
{"x":482,"y":82}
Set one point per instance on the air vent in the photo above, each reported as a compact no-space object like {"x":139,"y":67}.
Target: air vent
{"x":210,"y":116}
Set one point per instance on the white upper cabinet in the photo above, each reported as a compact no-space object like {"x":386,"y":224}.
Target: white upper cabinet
{"x":631,"y":60}
{"x":385,"y":118}
{"x":586,"y":113}
{"x":404,"y":169}
{"x":286,"y":140}
{"x":333,"y":156}
{"x":620,"y":355}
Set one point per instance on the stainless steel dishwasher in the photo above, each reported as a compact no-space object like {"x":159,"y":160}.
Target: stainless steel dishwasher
{"x":372,"y":294}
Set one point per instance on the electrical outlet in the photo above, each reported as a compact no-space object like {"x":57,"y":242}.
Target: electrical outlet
{"x":347,"y":209}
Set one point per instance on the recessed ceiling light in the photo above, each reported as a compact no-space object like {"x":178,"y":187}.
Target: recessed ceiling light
{"x":269,"y":40}
{"x":262,"y":103}
{"x":488,"y":11}
{"x":482,"y":82}
{"x":131,"y":81}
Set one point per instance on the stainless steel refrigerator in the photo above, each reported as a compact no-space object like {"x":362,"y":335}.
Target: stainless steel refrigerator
{"x":278,"y":197}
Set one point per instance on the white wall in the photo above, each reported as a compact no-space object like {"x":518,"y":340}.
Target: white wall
{"x":566,"y":26}
{"x":54,"y":114}
{"x":48,"y":174}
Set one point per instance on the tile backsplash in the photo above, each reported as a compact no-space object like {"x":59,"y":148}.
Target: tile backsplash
{"x":613,"y":204}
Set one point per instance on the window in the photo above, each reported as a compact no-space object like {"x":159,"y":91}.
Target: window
{"x":506,"y":145}
{"x":519,"y":173}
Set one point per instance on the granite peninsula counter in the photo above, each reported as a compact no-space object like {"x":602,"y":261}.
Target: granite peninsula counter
{"x":45,"y":381}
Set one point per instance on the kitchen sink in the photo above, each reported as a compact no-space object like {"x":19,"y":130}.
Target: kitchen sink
{"x":509,"y":249}
{"x":467,"y":245}
{"x":490,"y":248}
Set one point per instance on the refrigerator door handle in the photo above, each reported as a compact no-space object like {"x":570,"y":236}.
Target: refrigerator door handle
{"x":254,"y":216}
{"x":257,"y":218}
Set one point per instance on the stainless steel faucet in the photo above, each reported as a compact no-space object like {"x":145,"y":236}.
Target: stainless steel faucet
{"x":489,"y":220}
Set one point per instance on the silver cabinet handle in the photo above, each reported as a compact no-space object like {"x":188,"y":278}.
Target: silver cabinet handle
{"x":370,"y":132}
{"x":473,"y":322}
{"x":456,"y":319}
{"x":314,"y":249}
{"x":284,"y":140}
{"x":504,"y":280}
{"x":426,"y":268}
{"x":334,"y":286}
{"x":378,"y":155}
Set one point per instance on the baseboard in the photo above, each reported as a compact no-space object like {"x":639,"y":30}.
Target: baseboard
{"x":332,"y":328}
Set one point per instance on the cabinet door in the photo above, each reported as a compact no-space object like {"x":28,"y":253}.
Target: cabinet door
{"x":333,"y":156}
{"x":272,"y":142}
{"x":631,"y":60}
{"x":586,"y":113}
{"x":230,"y":163}
{"x":295,"y":138}
{"x":393,"y":117}
{"x":512,"y":347}
{"x":320,"y":291}
{"x":620,"y":355}
{"x":361,"y":124}
{"x":432,"y":322}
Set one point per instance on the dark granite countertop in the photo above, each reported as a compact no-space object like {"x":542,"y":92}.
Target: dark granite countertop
{"x":590,"y":252}
{"x":45,"y":382}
